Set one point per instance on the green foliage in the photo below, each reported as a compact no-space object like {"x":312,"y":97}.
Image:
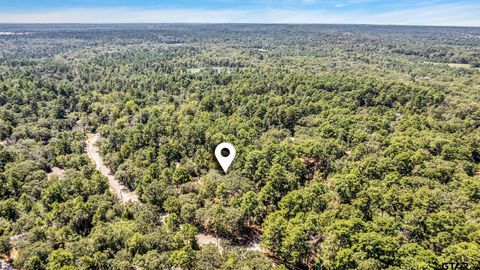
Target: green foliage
{"x":60,"y":259}
{"x":357,"y":146}
{"x":183,"y":258}
{"x":181,"y":175}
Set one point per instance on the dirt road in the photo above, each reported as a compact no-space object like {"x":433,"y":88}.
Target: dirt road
{"x":126,"y":195}
{"x":120,"y":190}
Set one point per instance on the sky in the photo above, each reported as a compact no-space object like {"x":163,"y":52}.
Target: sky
{"x":402,"y":12}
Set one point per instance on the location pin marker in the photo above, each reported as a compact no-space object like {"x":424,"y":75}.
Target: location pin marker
{"x":225,"y":162}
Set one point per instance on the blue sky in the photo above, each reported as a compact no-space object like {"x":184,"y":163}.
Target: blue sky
{"x":406,"y":12}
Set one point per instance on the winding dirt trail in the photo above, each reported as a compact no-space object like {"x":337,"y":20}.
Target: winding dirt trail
{"x":126,"y":195}
{"x":123,"y":193}
{"x":94,"y":154}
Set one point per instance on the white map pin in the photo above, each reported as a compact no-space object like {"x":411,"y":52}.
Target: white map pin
{"x":225,"y":162}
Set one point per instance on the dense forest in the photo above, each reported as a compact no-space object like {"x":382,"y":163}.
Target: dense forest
{"x":358,"y":147}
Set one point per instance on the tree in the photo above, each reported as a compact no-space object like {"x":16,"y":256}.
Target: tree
{"x":277,"y":177}
{"x":181,"y":175}
{"x":378,"y":247}
{"x":183,"y":258}
{"x":5,"y":157}
{"x":413,"y":256}
{"x":5,"y":245}
{"x":463,"y":252}
{"x":274,"y":227}
{"x":60,"y":259}
{"x":347,"y":186}
{"x":34,"y":263}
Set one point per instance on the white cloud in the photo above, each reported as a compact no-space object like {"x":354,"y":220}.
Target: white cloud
{"x":447,"y":14}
